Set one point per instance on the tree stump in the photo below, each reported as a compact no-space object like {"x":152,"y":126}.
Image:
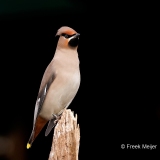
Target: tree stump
{"x":66,"y":138}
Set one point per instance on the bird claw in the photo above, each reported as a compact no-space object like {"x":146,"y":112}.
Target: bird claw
{"x":56,"y":118}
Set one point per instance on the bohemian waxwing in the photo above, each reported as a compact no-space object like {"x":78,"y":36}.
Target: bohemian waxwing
{"x":59,"y":84}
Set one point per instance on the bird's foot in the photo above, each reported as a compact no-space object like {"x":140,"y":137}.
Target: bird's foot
{"x":57,"y":117}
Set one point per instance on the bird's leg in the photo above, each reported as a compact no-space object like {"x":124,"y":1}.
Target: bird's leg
{"x":57,"y":117}
{"x":54,"y":116}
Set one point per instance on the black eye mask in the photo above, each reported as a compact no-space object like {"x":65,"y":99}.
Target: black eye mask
{"x":66,"y":35}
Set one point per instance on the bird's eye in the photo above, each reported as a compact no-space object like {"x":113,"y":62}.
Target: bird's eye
{"x":65,"y":35}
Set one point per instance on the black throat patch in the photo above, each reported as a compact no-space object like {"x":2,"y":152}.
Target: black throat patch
{"x":74,"y":42}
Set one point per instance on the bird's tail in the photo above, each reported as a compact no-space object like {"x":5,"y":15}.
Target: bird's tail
{"x":40,"y":123}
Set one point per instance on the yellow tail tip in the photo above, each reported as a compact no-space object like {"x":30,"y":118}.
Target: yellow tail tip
{"x":28,"y":146}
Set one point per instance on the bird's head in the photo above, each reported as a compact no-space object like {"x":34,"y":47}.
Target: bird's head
{"x":69,"y":38}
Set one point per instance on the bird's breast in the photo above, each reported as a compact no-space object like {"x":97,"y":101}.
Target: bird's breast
{"x":61,"y":93}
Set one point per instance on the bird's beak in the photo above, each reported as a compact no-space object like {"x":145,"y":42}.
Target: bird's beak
{"x":77,"y":35}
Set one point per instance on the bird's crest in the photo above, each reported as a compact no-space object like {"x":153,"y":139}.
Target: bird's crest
{"x":66,"y":30}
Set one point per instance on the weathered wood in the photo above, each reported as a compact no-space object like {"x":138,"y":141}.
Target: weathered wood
{"x":66,"y":138}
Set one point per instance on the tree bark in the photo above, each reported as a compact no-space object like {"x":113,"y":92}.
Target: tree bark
{"x":66,"y":138}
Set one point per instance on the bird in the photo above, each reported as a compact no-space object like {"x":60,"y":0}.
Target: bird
{"x":59,"y":85}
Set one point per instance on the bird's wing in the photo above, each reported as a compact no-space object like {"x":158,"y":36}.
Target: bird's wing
{"x":47,"y":79}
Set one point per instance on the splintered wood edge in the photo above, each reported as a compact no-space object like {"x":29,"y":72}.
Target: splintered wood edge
{"x":66,"y":138}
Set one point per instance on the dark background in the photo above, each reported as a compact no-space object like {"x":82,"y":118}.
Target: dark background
{"x":118,"y":100}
